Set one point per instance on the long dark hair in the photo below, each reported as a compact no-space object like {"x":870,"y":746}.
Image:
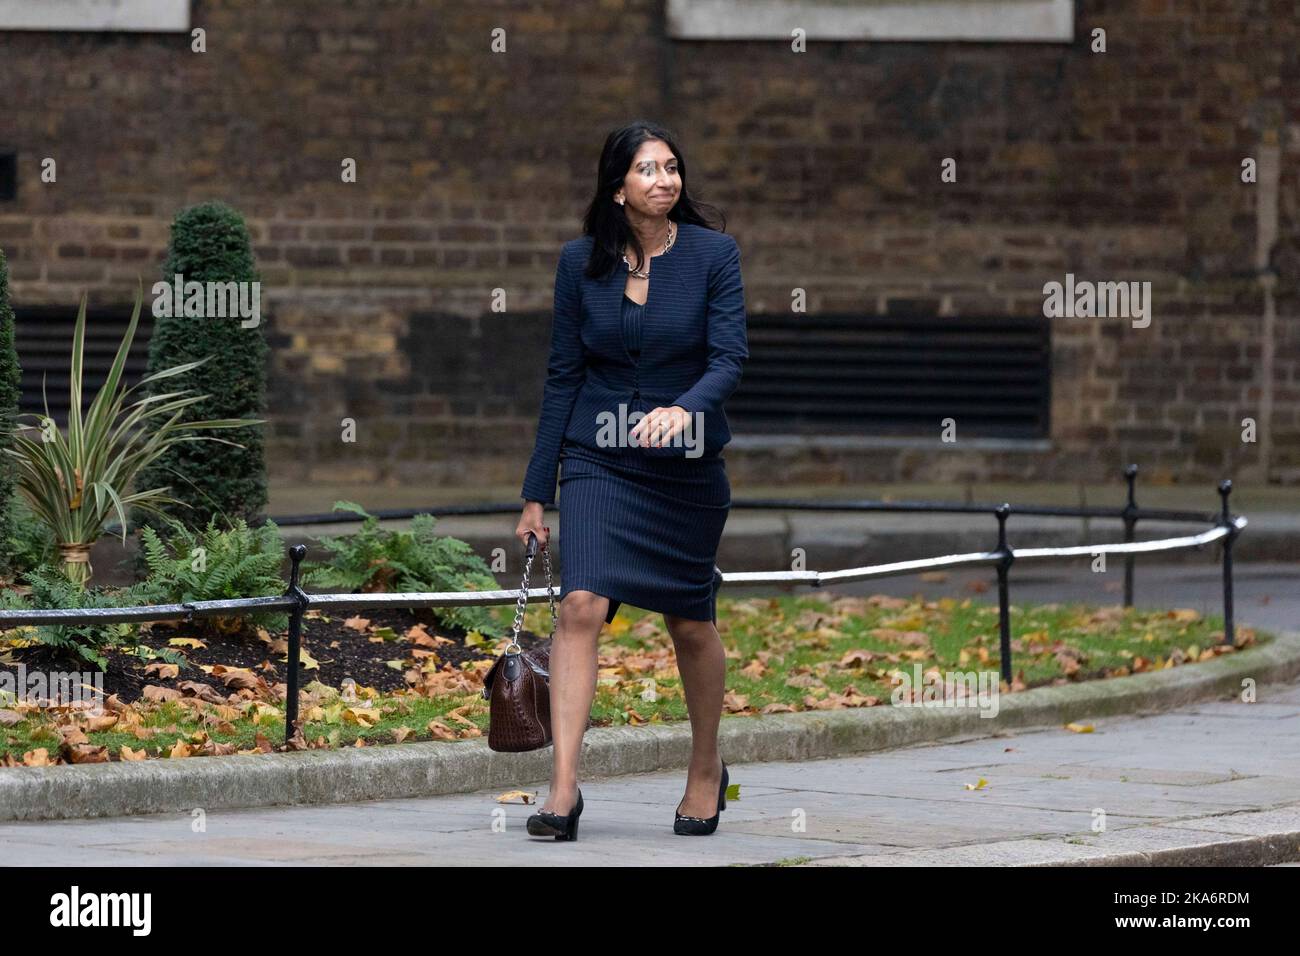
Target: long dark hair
{"x":606,"y":221}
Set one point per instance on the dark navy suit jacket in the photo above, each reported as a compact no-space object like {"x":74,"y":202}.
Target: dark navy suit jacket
{"x":693,"y":345}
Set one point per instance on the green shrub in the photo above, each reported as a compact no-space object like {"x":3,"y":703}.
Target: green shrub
{"x":10,"y":374}
{"x":210,"y":243}
{"x":374,"y":559}
{"x":217,"y":564}
{"x":52,"y":589}
{"x":29,"y":542}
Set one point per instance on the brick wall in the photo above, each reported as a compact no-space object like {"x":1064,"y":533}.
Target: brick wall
{"x":473,"y":167}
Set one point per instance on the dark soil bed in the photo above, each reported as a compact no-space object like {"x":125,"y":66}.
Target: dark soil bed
{"x":340,"y":651}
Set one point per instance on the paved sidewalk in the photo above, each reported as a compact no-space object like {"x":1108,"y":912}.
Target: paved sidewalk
{"x":1195,"y":785}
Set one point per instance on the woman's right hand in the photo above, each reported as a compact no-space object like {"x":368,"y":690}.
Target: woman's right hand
{"x":531,"y":520}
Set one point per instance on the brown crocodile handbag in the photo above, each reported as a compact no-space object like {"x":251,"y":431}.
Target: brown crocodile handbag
{"x":518,"y":683}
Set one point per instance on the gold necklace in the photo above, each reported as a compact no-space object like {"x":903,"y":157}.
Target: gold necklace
{"x":672,"y":235}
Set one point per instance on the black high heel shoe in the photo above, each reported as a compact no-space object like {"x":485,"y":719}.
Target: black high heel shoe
{"x":562,"y":826}
{"x":702,"y":826}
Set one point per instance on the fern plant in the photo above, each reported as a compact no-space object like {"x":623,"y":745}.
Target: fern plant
{"x":50,"y":588}
{"x":375,"y":559}
{"x":216,"y":564}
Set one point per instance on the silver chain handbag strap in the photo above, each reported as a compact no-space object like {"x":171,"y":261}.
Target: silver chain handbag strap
{"x":523,"y":592}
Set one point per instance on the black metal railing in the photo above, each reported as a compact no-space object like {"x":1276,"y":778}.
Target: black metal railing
{"x":297,"y":602}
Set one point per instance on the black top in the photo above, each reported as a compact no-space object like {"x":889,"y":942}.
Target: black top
{"x":632,"y":315}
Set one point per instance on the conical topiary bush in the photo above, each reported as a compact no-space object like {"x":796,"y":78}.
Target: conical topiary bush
{"x":210,"y":244}
{"x":10,"y":374}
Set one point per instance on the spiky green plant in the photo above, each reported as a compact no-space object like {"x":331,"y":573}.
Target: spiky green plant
{"x":76,"y":481}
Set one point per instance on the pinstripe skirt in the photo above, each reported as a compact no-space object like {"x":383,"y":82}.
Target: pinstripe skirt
{"x":643,"y":530}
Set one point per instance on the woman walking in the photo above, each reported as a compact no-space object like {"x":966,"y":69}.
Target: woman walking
{"x":648,"y":343}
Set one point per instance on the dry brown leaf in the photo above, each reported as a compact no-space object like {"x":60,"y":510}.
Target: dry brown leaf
{"x":40,"y":757}
{"x":296,"y":740}
{"x":440,"y":730}
{"x":85,"y":753}
{"x":194,"y":688}
{"x":73,"y":735}
{"x":851,"y":697}
{"x":517,"y":796}
{"x":814,"y":703}
{"x":213,"y":748}
{"x":420,"y":635}
{"x":362,"y":716}
{"x":238,"y":678}
{"x":734,"y":703}
{"x":154,"y":692}
{"x":857,"y":657}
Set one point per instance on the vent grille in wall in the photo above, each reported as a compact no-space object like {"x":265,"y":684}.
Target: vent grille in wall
{"x":895,"y":375}
{"x":43,"y":336}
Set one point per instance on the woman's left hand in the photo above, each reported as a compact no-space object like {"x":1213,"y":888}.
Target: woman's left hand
{"x":660,"y":425}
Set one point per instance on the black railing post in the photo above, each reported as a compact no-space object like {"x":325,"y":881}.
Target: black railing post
{"x":1004,"y":607}
{"x":296,"y":554}
{"x":1229,"y":632}
{"x":1130,"y":522}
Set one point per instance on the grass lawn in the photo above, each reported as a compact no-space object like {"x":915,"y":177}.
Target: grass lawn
{"x":785,"y":654}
